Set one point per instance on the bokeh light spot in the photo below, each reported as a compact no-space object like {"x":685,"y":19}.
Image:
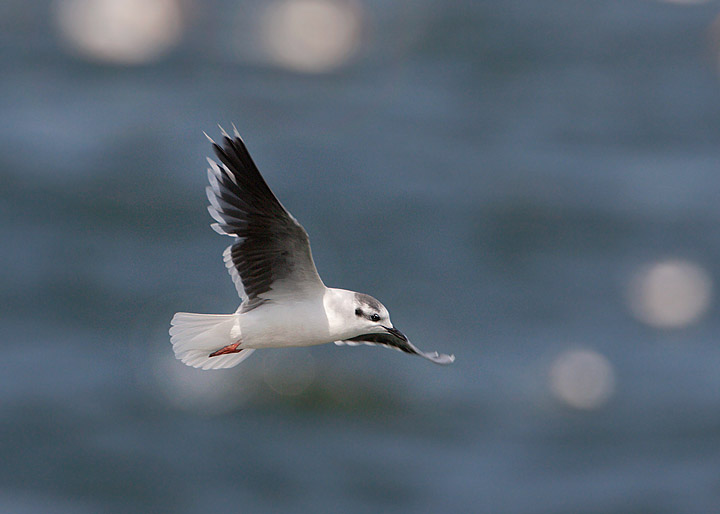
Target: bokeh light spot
{"x":670,"y":294}
{"x":200,"y":391}
{"x":289,"y":375}
{"x":582,"y":379}
{"x":120,"y":31}
{"x":311,"y":35}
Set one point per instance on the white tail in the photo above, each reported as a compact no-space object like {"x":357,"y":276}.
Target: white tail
{"x":195,"y":336}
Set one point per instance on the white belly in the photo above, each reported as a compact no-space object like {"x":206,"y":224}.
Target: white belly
{"x":274,"y":325}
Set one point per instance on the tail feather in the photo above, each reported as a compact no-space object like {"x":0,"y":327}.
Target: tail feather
{"x":195,"y":336}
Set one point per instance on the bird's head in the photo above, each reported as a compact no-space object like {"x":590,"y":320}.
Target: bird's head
{"x":371,"y":322}
{"x":358,"y":318}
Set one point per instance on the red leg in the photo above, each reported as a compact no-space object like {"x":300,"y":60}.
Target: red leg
{"x":231,"y":348}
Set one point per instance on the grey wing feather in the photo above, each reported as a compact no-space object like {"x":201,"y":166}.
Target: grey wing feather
{"x":437,"y":358}
{"x":271,"y":251}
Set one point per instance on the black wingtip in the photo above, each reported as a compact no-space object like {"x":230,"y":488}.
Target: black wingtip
{"x":233,"y":151}
{"x":244,"y":179}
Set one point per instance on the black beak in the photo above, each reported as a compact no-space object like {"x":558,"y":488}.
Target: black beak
{"x":399,"y":336}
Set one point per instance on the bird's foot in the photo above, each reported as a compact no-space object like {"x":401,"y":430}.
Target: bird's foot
{"x":231,"y":348}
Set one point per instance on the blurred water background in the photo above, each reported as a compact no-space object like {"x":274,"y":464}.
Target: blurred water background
{"x":531,"y":185}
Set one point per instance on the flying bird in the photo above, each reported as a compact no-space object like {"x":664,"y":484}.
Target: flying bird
{"x":284,"y":301}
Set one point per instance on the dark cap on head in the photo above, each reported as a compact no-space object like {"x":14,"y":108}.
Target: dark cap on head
{"x":369,"y":301}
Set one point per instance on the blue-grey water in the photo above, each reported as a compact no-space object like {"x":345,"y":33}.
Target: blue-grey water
{"x":500,"y":174}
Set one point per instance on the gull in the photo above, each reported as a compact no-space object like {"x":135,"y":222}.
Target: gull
{"x":284,"y":301}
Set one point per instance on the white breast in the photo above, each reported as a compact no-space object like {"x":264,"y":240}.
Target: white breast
{"x":300,"y":322}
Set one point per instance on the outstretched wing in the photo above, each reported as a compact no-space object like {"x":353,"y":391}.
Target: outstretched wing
{"x":403,"y":345}
{"x":271,"y":253}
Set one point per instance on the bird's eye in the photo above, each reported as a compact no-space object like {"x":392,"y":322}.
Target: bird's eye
{"x":375,"y":317}
{"x":358,"y":312}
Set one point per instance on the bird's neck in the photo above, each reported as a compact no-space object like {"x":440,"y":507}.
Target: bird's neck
{"x":338,"y":304}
